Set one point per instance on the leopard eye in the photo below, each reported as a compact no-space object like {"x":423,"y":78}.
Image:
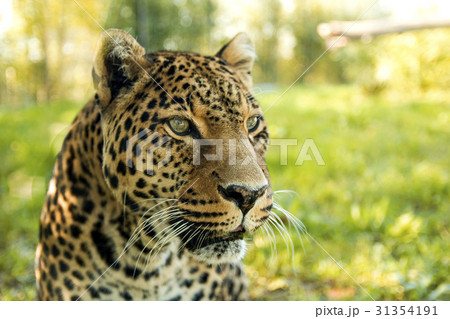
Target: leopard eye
{"x":252,"y":123}
{"x":179,"y":125}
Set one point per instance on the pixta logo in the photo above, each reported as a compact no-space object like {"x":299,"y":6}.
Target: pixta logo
{"x":148,"y":151}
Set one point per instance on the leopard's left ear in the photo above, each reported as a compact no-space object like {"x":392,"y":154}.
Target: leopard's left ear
{"x":240,"y":54}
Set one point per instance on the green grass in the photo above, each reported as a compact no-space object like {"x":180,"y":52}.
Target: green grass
{"x":29,"y":141}
{"x":380,"y":205}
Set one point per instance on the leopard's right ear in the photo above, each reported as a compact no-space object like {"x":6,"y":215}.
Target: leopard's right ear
{"x":119,"y":62}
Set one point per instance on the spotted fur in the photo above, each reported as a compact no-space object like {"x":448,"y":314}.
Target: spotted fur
{"x":121,"y":227}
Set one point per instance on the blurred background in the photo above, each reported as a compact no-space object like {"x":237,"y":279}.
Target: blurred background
{"x":376,"y":106}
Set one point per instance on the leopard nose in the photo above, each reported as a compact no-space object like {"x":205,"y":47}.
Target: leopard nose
{"x":242,"y":196}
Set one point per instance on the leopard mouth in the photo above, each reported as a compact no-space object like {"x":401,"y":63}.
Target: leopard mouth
{"x":224,"y":251}
{"x":198,"y":241}
{"x":214,"y":247}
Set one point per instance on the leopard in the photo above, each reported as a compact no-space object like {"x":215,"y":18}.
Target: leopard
{"x":161,"y":179}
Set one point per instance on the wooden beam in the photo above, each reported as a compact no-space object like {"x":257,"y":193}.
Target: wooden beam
{"x":370,"y":28}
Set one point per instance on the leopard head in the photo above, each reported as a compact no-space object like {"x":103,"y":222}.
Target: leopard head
{"x":184,"y":142}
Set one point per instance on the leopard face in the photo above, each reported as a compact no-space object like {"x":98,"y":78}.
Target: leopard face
{"x":184,"y":143}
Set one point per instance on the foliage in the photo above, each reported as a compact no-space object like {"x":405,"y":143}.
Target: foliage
{"x":190,"y":28}
{"x":379,"y":206}
{"x":45,"y":54}
{"x":412,"y":62}
{"x":47,"y":51}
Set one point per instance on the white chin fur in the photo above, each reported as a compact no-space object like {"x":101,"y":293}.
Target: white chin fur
{"x":222,"y":252}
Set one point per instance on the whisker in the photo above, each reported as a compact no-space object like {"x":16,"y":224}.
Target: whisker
{"x":203,"y":236}
{"x":290,"y":217}
{"x":149,"y":254}
{"x":160,"y":243}
{"x":271,"y":240}
{"x":196,"y":231}
{"x":287,"y":234}
{"x":282,"y":231}
{"x":126,"y":248}
{"x":169,"y":237}
{"x":141,"y":225}
{"x":298,"y":225}
{"x":272,"y":235}
{"x":287,"y":191}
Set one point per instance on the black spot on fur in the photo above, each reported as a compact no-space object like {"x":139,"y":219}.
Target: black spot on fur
{"x":94,"y":293}
{"x":154,"y":273}
{"x":171,"y":70}
{"x":213,"y":289}
{"x":53,"y":272}
{"x":132,"y":272}
{"x":105,"y":247}
{"x":76,"y":191}
{"x":123,"y":145}
{"x":198,"y":296}
{"x":141,"y":183}
{"x":176,"y":298}
{"x":128,"y":123}
{"x":75,"y":231}
{"x":193,"y":270}
{"x":77,"y":274}
{"x":121,"y":168}
{"x":151,"y":104}
{"x":55,"y":251}
{"x":140,"y":194}
{"x":114,"y":181}
{"x":61,"y":241}
{"x":230,"y":286}
{"x":187,"y":283}
{"x":104,"y":290}
{"x":126,"y":296}
{"x":203,"y":278}
{"x":88,"y":206}
{"x":79,"y":261}
{"x":68,"y":283}
{"x":59,"y":293}
{"x":145,"y":116}
{"x":63,"y":266}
